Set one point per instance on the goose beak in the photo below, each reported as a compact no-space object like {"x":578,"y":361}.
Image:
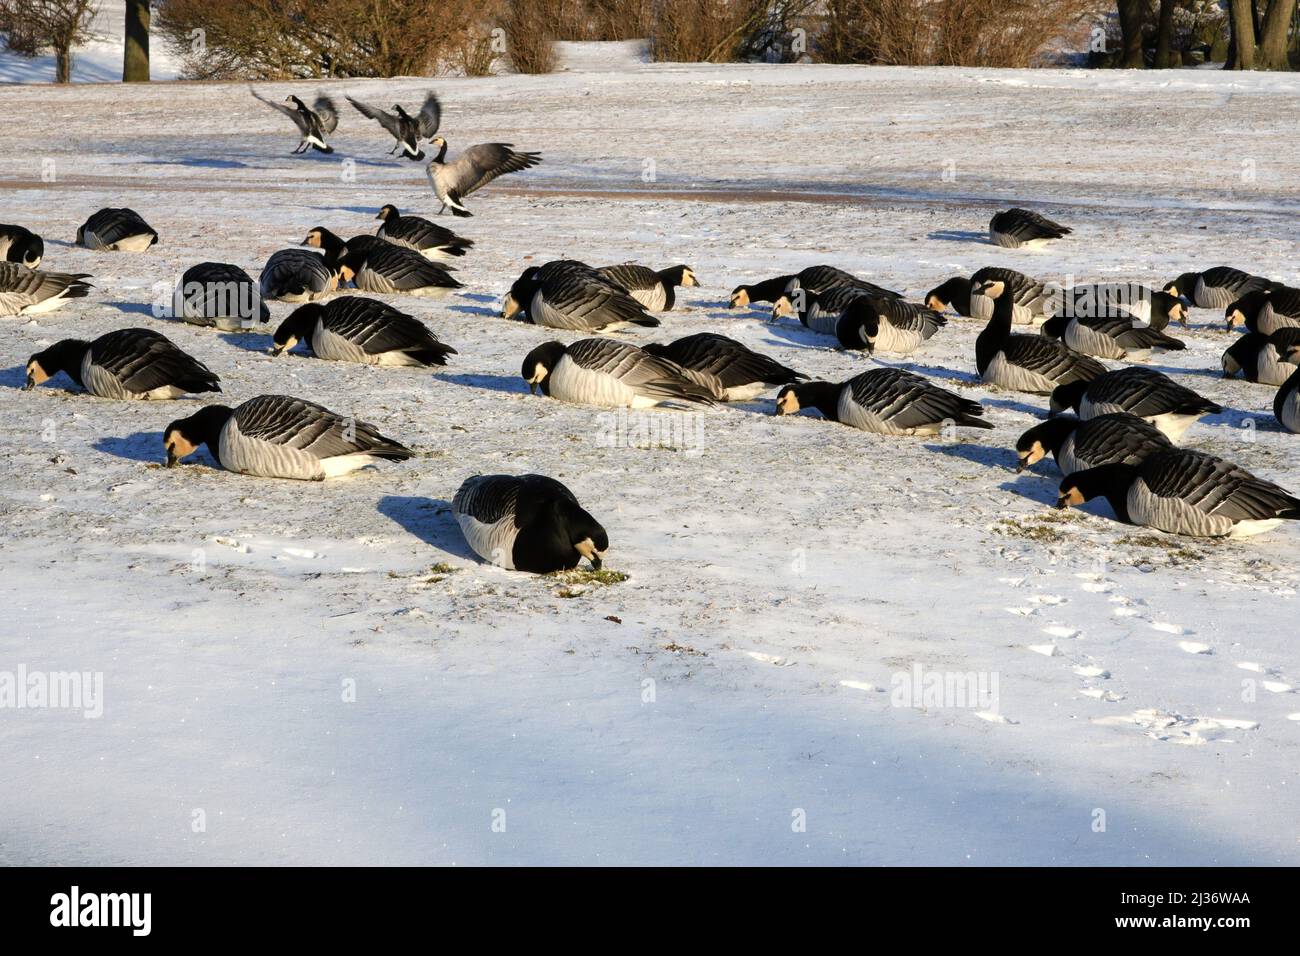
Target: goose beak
{"x":532,"y":388}
{"x":595,"y":562}
{"x":171,"y":459}
{"x":31,"y":383}
{"x":1062,"y":503}
{"x":1022,"y":466}
{"x":276,"y":350}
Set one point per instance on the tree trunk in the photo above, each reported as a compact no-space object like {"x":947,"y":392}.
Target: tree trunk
{"x":1272,"y":51}
{"x":1130,"y":26}
{"x":135,"y":54}
{"x":1242,"y":21}
{"x":1165,"y":36}
{"x":63,"y":64}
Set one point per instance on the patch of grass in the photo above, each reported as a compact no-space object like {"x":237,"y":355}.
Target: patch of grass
{"x":588,"y":576}
{"x":1041,"y":532}
{"x":1177,"y":549}
{"x":443,"y":568}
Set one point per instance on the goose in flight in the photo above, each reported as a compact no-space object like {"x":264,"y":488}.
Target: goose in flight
{"x":314,"y":123}
{"x":408,"y":130}
{"x":472,"y":170}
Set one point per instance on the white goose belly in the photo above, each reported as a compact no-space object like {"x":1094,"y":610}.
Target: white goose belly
{"x":495,"y":542}
{"x":1003,"y":374}
{"x":570,"y":382}
{"x":1173,"y":514}
{"x":653,"y":298}
{"x":1270,"y":369}
{"x":1091,"y":342}
{"x":262,"y":459}
{"x":104,"y":384}
{"x":900,"y":341}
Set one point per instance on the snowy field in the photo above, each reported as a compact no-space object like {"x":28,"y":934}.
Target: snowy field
{"x":735,"y":700}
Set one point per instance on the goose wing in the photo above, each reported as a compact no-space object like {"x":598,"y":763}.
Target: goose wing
{"x":731,"y":362}
{"x":909,"y":316}
{"x":385,"y":119}
{"x":421,"y":233}
{"x":1118,"y":438}
{"x":1145,"y":392}
{"x":479,"y":165}
{"x":1024,"y":225}
{"x":586,"y":297}
{"x":1216,"y":487}
{"x":1050,"y":358}
{"x":429,"y":118}
{"x":489,"y":498}
{"x":143,"y":360}
{"x":907,"y":400}
{"x":113,"y":225}
{"x":326,"y":112}
{"x":311,"y":428}
{"x":377,"y":327}
{"x":630,"y":276}
{"x":288,"y":111}
{"x":407,"y":269}
{"x":638,"y":369}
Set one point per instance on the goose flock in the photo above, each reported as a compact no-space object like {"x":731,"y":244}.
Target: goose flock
{"x":1113,"y":432}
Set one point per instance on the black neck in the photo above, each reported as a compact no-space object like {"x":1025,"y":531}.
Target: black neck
{"x":442,"y":153}
{"x":65,"y":356}
{"x":823,"y":396}
{"x":995,"y":334}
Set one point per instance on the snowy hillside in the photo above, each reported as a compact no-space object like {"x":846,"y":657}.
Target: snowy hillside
{"x":99,"y":61}
{"x":323,"y":673}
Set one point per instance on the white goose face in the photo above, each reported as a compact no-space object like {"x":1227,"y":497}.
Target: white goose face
{"x":739,"y":298}
{"x":782,"y":307}
{"x":510,"y":307}
{"x":688,"y":278}
{"x":36,"y":374}
{"x":539,"y":375}
{"x":934,"y":302}
{"x":31,"y":261}
{"x":1031,"y":456}
{"x":178,"y":446}
{"x":993,"y":289}
{"x":587,"y":548}
{"x":1236,"y":318}
{"x":1071,"y":497}
{"x":1178,"y":314}
{"x":787,"y":403}
{"x":285,"y":346}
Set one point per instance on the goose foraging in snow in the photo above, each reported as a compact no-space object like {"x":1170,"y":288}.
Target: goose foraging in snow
{"x":608,"y":374}
{"x":1142,"y":392}
{"x":654,"y":290}
{"x":1216,"y":288}
{"x":372,"y":264}
{"x":1110,"y":338}
{"x":472,"y":170}
{"x":24,"y":291}
{"x":819,"y":311}
{"x":21,"y":245}
{"x":1026,"y":363}
{"x":527,"y":523}
{"x":886,"y":401}
{"x":879,"y":324}
{"x":1262,"y":358}
{"x":1018,"y":228}
{"x":567,"y":294}
{"x":357,"y":329}
{"x":116,"y":230}
{"x":821,"y":278}
{"x":1118,"y":300}
{"x":1029,"y":296}
{"x":1077,"y":445}
{"x":1184,"y":492}
{"x":221,"y":295}
{"x":408,"y":130}
{"x":276,"y":436}
{"x":729,"y":370}
{"x":1266,"y":311}
{"x":313,"y":123}
{"x":429,"y":239}
{"x":125,"y":364}
{"x":296,"y":275}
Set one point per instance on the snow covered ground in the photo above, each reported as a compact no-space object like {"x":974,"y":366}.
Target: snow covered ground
{"x":97,"y":61}
{"x":285,"y":679}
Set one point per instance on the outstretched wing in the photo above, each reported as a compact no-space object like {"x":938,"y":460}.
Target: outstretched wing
{"x":288,"y":111}
{"x":387,"y":120}
{"x":429,"y":118}
{"x":326,"y":112}
{"x":479,"y":165}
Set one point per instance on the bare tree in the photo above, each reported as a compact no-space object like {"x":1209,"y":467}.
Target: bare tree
{"x":135,"y":50}
{"x":1260,"y":43}
{"x":31,"y":26}
{"x":1165,"y":36}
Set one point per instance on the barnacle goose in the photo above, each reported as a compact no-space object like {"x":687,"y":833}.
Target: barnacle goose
{"x":125,"y":364}
{"x":219,"y":294}
{"x":1143,"y":392}
{"x":1266,"y":311}
{"x":729,"y":370}
{"x":472,"y":170}
{"x":567,"y":294}
{"x":24,"y":291}
{"x":819,"y":311}
{"x":1021,"y":228}
{"x":372,"y":264}
{"x":357,"y":329}
{"x":313,"y":123}
{"x":116,"y":230}
{"x":1216,"y":288}
{"x":1184,"y":492}
{"x":879,"y":324}
{"x":408,"y":130}
{"x":1026,"y":363}
{"x":610,"y":374}
{"x":1118,"y":337}
{"x":429,"y":239}
{"x":819,"y":278}
{"x":1262,"y":358}
{"x":1124,"y":300}
{"x":277,"y":436}
{"x":1029,"y":297}
{"x":296,"y":275}
{"x":887,"y":401}
{"x":656,"y":290}
{"x":527,"y":523}
{"x":18,"y":244}
{"x":1077,"y":445}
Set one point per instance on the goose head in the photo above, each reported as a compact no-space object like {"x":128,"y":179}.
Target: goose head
{"x":539,"y":363}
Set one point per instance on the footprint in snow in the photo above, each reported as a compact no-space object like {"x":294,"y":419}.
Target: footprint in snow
{"x":1178,"y":729}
